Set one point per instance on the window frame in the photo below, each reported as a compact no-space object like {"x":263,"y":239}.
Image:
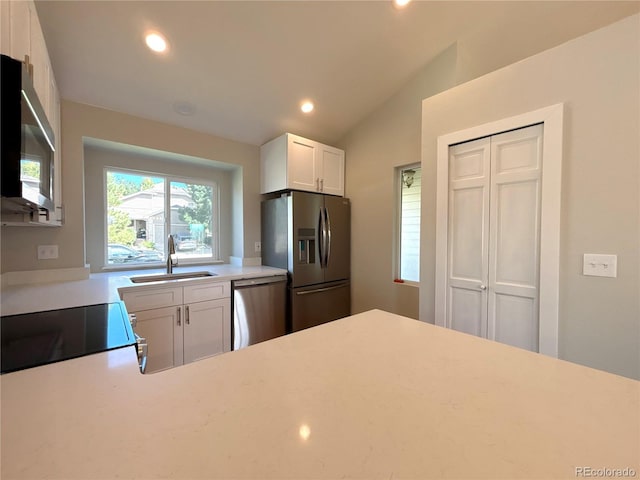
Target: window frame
{"x":397,"y":245}
{"x":168,"y":180}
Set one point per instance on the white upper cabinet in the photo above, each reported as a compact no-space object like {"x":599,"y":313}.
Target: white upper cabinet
{"x":40,"y":65}
{"x":302,"y":164}
{"x":21,"y":38}
{"x":297,"y":163}
{"x":17,"y":39}
{"x":332,"y":179}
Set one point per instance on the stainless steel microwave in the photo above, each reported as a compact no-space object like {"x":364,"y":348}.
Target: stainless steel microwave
{"x":27,"y":143}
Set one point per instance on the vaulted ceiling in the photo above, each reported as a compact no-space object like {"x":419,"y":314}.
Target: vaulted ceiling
{"x":245,"y":66}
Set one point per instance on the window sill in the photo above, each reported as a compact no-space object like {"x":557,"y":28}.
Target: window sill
{"x":409,"y":283}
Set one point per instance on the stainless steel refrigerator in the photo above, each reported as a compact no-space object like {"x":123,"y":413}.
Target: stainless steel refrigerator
{"x":309,"y":234}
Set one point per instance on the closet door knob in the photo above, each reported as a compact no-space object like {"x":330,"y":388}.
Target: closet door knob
{"x":483,"y":287}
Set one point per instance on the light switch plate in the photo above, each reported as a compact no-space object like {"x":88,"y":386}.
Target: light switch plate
{"x":599,"y":265}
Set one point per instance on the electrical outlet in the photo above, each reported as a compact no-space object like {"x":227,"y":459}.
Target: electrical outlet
{"x":258,"y":247}
{"x":47,"y":252}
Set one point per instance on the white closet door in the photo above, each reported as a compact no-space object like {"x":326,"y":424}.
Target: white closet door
{"x":516,"y":166}
{"x":519,"y":214}
{"x":468,"y":237}
{"x":494,"y":237}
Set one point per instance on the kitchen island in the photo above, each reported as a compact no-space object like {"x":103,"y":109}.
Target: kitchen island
{"x":374,"y":395}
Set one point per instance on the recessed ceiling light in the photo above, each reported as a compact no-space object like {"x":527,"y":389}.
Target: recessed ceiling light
{"x":400,"y":3}
{"x":156,"y":42}
{"x":306,"y":107}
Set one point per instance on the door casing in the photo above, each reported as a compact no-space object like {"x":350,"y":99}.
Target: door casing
{"x":552,"y":152}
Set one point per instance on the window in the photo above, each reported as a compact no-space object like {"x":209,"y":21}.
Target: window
{"x":143,"y":207}
{"x":408,"y":254}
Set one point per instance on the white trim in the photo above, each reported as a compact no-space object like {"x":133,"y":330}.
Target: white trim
{"x":28,"y":277}
{"x":552,"y":118}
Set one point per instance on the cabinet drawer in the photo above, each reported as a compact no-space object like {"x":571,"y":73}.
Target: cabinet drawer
{"x":152,"y":298}
{"x":207,"y":291}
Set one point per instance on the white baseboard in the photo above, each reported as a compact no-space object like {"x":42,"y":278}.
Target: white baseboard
{"x":245,"y":261}
{"x":44,"y":276}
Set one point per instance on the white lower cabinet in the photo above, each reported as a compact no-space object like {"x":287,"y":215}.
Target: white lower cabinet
{"x":190,"y":323}
{"x":204,"y":332}
{"x":158,"y":327}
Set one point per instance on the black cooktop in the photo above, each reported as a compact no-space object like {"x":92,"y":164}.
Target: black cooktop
{"x":34,"y":339}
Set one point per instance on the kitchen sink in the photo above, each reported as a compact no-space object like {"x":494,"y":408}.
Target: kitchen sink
{"x":163,"y":277}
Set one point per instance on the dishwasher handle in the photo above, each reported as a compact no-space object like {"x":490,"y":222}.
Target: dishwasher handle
{"x":251,"y":282}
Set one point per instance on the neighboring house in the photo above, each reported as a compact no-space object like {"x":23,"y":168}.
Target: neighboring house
{"x":146,"y":210}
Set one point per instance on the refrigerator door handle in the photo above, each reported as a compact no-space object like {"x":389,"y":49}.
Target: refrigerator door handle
{"x":321,"y":237}
{"x":319,"y":290}
{"x":328,"y":245}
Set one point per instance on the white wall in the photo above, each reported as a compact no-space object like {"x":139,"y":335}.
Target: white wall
{"x":597,"y":76}
{"x":388,"y":138}
{"x":19,"y":244}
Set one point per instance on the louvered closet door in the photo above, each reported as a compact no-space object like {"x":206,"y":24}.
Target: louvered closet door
{"x":494,"y":237}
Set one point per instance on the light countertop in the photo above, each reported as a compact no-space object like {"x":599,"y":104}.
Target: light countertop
{"x":374,"y":395}
{"x":103,"y":287}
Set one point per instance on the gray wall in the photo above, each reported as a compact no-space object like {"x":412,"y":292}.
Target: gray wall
{"x":597,"y":76}
{"x":19,"y":244}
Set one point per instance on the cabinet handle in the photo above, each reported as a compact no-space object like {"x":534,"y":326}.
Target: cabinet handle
{"x":322,"y":184}
{"x":179,"y":319}
{"x":27,"y":62}
{"x":186,"y":316}
{"x":318,"y":184}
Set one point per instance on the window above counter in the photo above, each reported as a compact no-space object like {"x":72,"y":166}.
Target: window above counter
{"x":143,"y":208}
{"x":135,"y":199}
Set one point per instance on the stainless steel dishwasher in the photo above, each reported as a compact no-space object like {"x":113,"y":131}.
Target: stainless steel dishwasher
{"x":259,"y":310}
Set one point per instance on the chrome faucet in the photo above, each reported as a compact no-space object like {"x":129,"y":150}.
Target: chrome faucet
{"x":172,"y":260}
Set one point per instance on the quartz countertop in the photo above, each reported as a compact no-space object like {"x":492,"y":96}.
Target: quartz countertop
{"x":374,"y":395}
{"x":103,"y":287}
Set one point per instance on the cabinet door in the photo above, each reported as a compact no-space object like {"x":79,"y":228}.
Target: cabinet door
{"x":40,"y":62}
{"x":332,"y":179}
{"x":19,"y":35}
{"x":303,"y":164}
{"x":5,"y":29}
{"x":162,"y":328}
{"x":207,"y":329}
